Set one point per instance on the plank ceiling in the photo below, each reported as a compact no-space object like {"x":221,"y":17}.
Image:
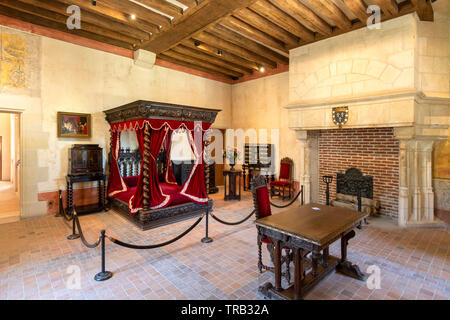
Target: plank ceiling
{"x":225,"y":38}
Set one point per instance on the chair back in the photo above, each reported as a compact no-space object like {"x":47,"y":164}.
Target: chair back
{"x":261,"y":198}
{"x":286,"y":169}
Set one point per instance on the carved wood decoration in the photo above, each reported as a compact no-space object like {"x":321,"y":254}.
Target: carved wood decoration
{"x":147,"y":218}
{"x":234,"y":37}
{"x":158,"y":110}
{"x":146,"y":172}
{"x":129,"y":162}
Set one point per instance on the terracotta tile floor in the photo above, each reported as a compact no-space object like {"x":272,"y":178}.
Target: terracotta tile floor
{"x":35,"y":257}
{"x":9,"y":203}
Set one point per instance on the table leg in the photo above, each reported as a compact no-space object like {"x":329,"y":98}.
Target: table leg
{"x":315,"y":261}
{"x":277,"y":265}
{"x":240,"y":182}
{"x":325,"y":257}
{"x":67,"y":197}
{"x":345,"y":266}
{"x":225,"y":188}
{"x":99,"y":193}
{"x":299,"y":272}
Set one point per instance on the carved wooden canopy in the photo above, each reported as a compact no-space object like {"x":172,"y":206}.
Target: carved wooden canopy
{"x":157,"y":110}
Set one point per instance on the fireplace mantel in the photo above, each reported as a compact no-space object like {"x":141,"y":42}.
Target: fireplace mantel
{"x":389,"y":109}
{"x":419,"y":120}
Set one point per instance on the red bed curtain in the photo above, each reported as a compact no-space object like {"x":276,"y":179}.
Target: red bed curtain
{"x":116,"y":184}
{"x":194,"y":188}
{"x":157,"y":198}
{"x":169,"y":177}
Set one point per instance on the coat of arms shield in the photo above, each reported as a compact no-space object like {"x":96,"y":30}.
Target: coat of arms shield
{"x":340,"y":116}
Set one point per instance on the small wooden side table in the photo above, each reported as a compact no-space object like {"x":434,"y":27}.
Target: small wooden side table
{"x":100,"y":206}
{"x":231,"y":192}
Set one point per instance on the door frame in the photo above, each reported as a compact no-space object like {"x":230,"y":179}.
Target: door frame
{"x":18,"y":112}
{"x":1,"y":159}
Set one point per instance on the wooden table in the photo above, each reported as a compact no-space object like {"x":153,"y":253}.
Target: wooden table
{"x":309,"y":229}
{"x":231,"y":192}
{"x":101,"y":181}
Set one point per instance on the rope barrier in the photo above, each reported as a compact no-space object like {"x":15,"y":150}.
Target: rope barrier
{"x":290,"y":203}
{"x":138,"y":247}
{"x":83,"y":239}
{"x":232,"y":223}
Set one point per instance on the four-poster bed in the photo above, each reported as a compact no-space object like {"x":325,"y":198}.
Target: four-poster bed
{"x":149,"y":199}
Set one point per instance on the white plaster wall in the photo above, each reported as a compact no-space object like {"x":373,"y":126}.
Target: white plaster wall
{"x":78,"y":79}
{"x":259,"y":104}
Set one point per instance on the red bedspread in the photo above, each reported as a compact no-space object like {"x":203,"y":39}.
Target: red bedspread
{"x":172,"y":190}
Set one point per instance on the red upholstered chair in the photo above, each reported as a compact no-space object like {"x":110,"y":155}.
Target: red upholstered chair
{"x":261,"y":202}
{"x":284,"y":182}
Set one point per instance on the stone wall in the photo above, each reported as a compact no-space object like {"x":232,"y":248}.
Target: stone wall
{"x":358,"y":63}
{"x":374,"y":151}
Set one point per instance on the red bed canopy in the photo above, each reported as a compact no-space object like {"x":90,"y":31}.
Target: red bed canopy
{"x":151,"y":135}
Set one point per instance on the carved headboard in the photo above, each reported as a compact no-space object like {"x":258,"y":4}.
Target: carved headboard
{"x":129,"y":162}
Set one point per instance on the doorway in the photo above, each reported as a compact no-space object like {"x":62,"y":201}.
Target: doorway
{"x":9,"y":167}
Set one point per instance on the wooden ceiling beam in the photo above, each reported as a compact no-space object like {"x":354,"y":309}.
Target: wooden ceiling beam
{"x":130,"y":8}
{"x":424,"y":9}
{"x":329,"y":10}
{"x":189,"y":59}
{"x":216,"y":60}
{"x":304,"y":15}
{"x":26,"y":17}
{"x":235,"y":49}
{"x":227,"y":56}
{"x":239,"y":40}
{"x":62,"y":19}
{"x":265,"y":25}
{"x":358,"y":8}
{"x":195,"y":20}
{"x":113,"y":14}
{"x":93,"y":18}
{"x":266,"y":9}
{"x":163,"y":6}
{"x":193,"y":66}
{"x":389,"y":7}
{"x":250,"y":32}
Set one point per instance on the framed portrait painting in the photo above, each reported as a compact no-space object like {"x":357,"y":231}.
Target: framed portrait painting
{"x":74,"y":125}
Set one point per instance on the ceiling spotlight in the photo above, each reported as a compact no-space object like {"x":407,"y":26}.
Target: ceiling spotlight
{"x":197,"y":43}
{"x":133,"y":17}
{"x":262,"y":69}
{"x":219,"y":52}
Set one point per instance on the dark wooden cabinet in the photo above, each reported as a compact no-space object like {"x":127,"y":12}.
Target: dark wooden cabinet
{"x":257,"y":157}
{"x":85,"y":159}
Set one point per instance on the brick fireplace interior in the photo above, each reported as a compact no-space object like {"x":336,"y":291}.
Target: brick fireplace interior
{"x":374,"y":151}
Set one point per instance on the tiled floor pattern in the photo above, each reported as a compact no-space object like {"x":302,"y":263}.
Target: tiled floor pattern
{"x":35,"y":257}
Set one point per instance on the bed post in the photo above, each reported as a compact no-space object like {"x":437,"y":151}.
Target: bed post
{"x":146,"y":171}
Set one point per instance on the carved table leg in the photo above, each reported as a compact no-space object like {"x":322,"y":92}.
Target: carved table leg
{"x":277,"y":265}
{"x":325,"y":256}
{"x":299,"y":272}
{"x":315,"y":260}
{"x":345,"y":266}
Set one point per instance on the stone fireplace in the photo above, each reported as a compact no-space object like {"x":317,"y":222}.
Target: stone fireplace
{"x":399,"y":107}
